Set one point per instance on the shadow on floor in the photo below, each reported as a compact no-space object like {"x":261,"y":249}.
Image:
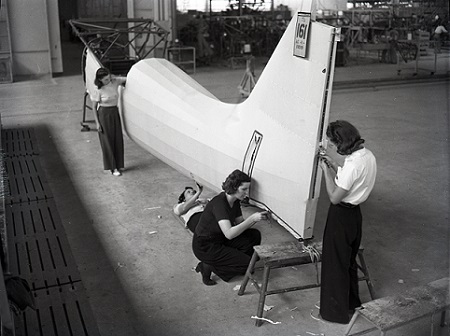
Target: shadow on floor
{"x":96,"y":269}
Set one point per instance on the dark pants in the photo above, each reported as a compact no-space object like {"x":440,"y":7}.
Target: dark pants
{"x":438,"y":40}
{"x":227,"y":258}
{"x":339,"y":279}
{"x":111,"y":138}
{"x":193,"y":221}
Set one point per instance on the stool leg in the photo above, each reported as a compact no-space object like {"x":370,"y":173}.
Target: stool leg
{"x":316,"y":265}
{"x":248,"y":273}
{"x":262,"y":295}
{"x":366,"y":274}
{"x":352,"y":322}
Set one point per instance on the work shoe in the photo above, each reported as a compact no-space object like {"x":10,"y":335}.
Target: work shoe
{"x":116,"y":173}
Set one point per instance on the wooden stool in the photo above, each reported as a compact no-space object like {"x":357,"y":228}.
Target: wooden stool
{"x":285,"y":255}
{"x":363,"y":268}
{"x":391,"y":312}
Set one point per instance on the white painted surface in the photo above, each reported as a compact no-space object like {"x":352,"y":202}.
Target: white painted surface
{"x":174,"y":118}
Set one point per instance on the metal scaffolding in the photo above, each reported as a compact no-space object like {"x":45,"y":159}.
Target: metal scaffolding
{"x":119,"y":43}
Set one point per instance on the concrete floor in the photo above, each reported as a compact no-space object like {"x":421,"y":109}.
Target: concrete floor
{"x":135,"y":258}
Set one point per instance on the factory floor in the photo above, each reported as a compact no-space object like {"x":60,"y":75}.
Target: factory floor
{"x":135,"y":257}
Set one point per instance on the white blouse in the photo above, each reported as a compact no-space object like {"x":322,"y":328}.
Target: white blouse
{"x":192,"y":211}
{"x":108,"y":95}
{"x":357,"y":176}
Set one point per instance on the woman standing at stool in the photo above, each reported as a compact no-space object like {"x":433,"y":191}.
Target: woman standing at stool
{"x":223,"y":241}
{"x":107,"y":118}
{"x":347,"y":187}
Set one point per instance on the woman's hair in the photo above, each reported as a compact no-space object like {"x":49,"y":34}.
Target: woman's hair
{"x":182,"y":198}
{"x":101,"y":73}
{"x":234,"y":180}
{"x":345,"y":136}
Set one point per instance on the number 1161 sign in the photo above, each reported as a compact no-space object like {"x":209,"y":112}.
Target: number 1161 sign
{"x":301,"y":34}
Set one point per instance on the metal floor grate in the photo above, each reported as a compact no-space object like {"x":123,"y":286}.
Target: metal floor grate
{"x":18,"y":141}
{"x":59,"y":312}
{"x":38,"y":250}
{"x":25,"y":181}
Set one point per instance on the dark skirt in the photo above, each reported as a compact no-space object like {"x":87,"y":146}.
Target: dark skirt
{"x":227,"y":258}
{"x":339,"y":279}
{"x":111,"y":138}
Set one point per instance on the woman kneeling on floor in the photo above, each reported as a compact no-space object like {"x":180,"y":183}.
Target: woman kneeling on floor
{"x":223,"y":241}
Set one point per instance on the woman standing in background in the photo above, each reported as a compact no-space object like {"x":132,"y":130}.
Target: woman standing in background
{"x":107,"y":118}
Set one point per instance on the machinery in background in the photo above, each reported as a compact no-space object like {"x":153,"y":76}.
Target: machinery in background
{"x":248,"y":81}
{"x":365,"y":30}
{"x":223,"y":35}
{"x":392,"y":32}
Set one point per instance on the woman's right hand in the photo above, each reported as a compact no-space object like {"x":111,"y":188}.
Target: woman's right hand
{"x":259,"y":216}
{"x":327,"y":162}
{"x":99,"y":128}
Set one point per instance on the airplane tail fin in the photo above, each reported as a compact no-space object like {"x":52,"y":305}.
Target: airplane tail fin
{"x":291,"y":87}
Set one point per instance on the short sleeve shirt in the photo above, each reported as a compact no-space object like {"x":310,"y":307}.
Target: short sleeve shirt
{"x":440,"y":30}
{"x":357,"y":176}
{"x":216,"y":210}
{"x":108,"y":95}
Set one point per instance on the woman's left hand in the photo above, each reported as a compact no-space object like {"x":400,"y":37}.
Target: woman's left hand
{"x":324,"y":163}
{"x":199,"y":188}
